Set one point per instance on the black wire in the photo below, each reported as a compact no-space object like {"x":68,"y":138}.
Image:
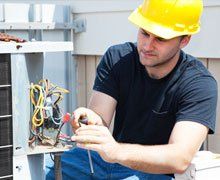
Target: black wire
{"x":58,"y":133}
{"x":51,"y":157}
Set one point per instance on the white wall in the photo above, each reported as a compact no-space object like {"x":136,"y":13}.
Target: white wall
{"x":206,"y":43}
{"x":107,"y":24}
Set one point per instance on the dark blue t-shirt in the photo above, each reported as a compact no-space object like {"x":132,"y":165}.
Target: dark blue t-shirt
{"x":147,"y":109}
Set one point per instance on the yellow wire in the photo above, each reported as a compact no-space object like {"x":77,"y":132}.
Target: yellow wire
{"x":60,"y":89}
{"x":43,"y":87}
{"x":38,"y":105}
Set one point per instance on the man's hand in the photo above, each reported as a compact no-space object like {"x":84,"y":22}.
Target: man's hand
{"x":92,"y":118}
{"x":97,"y":138}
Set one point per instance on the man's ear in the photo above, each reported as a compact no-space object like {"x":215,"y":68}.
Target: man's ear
{"x":184,"y":41}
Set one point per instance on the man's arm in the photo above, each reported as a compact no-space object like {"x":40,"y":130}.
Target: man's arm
{"x":100,"y":112}
{"x":185,"y":140}
{"x":103,"y":105}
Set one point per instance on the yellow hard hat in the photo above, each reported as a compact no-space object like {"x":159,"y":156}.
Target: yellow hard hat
{"x":168,"y":18}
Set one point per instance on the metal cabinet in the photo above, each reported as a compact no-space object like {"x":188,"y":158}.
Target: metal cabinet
{"x":20,"y":65}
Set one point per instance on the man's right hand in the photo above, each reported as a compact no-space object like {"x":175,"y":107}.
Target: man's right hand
{"x":92,"y":117}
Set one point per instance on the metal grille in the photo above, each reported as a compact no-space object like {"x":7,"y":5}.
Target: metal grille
{"x":5,"y":74}
{"x":5,"y":101}
{"x":6,"y":161}
{"x":5,"y":131}
{"x":6,"y":148}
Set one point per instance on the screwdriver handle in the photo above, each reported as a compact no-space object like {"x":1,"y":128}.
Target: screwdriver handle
{"x":83,"y":120}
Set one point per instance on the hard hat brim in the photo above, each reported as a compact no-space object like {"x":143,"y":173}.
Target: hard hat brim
{"x":157,"y":29}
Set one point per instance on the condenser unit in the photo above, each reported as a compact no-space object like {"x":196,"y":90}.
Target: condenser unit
{"x":20,"y":65}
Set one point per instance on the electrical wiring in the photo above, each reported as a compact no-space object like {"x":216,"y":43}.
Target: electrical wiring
{"x":38,"y":103}
{"x":47,"y":115}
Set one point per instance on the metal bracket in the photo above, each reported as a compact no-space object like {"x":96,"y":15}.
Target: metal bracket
{"x":79,"y":25}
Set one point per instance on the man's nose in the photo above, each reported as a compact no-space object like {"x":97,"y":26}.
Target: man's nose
{"x":149,"y":44}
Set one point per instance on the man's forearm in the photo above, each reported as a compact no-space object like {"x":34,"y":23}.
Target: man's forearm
{"x":163,"y":159}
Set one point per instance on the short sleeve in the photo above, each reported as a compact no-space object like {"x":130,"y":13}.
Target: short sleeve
{"x":106,"y":79}
{"x":198,"y":102}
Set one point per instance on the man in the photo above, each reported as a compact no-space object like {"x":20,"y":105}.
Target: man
{"x":164,"y":101}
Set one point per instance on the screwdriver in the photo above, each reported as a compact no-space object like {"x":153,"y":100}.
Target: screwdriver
{"x":84,"y":120}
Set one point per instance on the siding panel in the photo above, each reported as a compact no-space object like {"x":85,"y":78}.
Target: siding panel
{"x":81,"y":80}
{"x":90,"y":76}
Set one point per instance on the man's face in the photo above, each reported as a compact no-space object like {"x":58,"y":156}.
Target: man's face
{"x":155,"y":51}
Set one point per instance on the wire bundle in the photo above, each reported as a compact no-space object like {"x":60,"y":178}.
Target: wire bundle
{"x":46,"y":111}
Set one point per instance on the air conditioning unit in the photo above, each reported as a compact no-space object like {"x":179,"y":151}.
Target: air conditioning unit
{"x":20,"y":65}
{"x":6,"y":150}
{"x":204,"y":166}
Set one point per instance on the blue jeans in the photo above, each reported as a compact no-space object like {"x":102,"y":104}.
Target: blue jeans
{"x":75,"y":165}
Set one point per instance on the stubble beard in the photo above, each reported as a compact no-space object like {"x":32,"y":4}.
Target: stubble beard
{"x":158,"y":62}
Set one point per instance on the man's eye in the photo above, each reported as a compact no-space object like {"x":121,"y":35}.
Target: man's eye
{"x":144,"y":33}
{"x":161,"y":39}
